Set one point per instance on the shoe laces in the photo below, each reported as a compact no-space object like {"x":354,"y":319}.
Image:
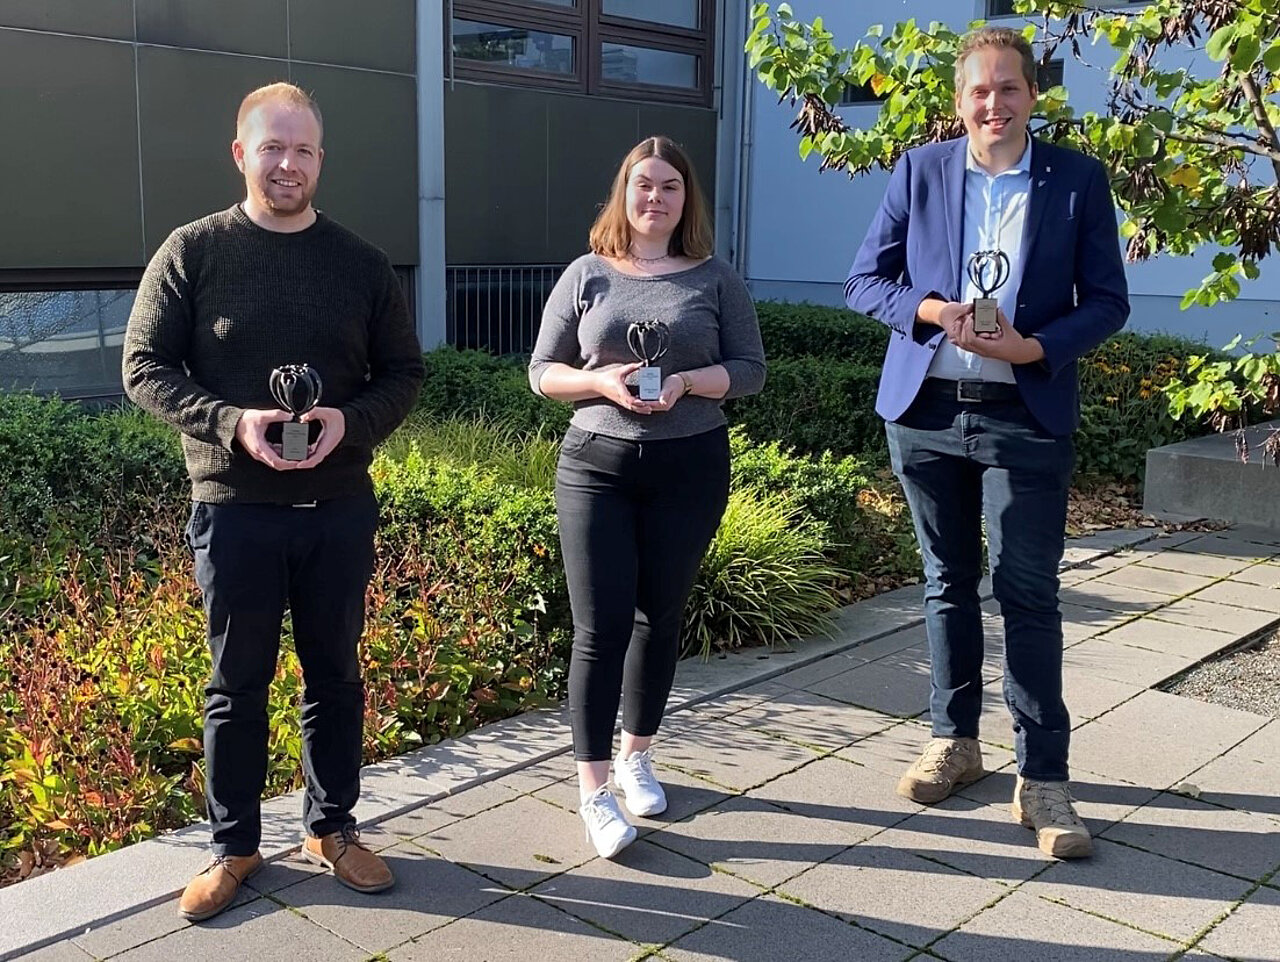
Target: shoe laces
{"x":349,"y":835}
{"x":223,"y":862}
{"x":1055,"y":799}
{"x":639,"y":765}
{"x":601,"y":808}
{"x":937,"y":753}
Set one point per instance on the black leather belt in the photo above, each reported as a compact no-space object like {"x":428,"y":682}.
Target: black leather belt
{"x":972,"y":391}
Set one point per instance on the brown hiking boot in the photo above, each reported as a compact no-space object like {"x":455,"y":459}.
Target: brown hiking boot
{"x":943,"y":766}
{"x":1046,"y":807}
{"x":353,"y":865}
{"x":213,"y":889}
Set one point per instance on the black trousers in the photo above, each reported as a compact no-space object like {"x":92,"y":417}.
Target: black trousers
{"x":635,"y":520}
{"x":252,"y":561}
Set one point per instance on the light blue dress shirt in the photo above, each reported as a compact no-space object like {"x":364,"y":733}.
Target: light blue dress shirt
{"x":995,"y":214}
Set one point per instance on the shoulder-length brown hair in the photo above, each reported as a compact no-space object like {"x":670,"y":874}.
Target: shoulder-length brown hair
{"x":611,"y":233}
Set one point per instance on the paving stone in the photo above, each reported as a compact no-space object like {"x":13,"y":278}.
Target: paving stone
{"x":888,"y":644}
{"x":1257,"y":534}
{"x":1156,"y":580}
{"x":895,"y":691}
{"x":736,"y":701}
{"x":686,"y":795}
{"x":1138,"y":667}
{"x":1080,"y":622}
{"x":65,"y":951}
{"x":1243,"y":596}
{"x":1168,"y":898}
{"x":1227,"y":544}
{"x":813,"y":720}
{"x":1210,"y":566}
{"x":646,"y":893}
{"x":475,"y":800}
{"x":1190,"y":642}
{"x":411,"y":824}
{"x":767,"y":929}
{"x":516,"y":929}
{"x":753,"y":839}
{"x":1100,"y":801}
{"x":1100,"y":594}
{"x":821,"y":670}
{"x":1237,"y":843}
{"x":893,"y":892}
{"x":256,"y":930}
{"x":112,"y":938}
{"x":1089,"y":695}
{"x":282,"y":873}
{"x":733,"y":757}
{"x":518,"y":844}
{"x":891,"y":751}
{"x":849,"y":801}
{"x":1021,"y":927}
{"x":1246,"y":777}
{"x":1159,"y":739}
{"x":1249,"y":933}
{"x":1266,"y":575}
{"x":429,"y":892}
{"x":980,"y":839}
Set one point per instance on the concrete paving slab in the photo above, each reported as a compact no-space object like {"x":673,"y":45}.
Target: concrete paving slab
{"x":1249,"y":933}
{"x":259,"y":930}
{"x":1089,"y":695}
{"x":1168,"y":898}
{"x":1226,"y":544}
{"x":1212,"y":566}
{"x":1237,"y":622}
{"x":1123,"y":663}
{"x":1023,"y":927}
{"x":647,"y":894}
{"x":1189,"y":642}
{"x":429,"y":892}
{"x":973,"y":837}
{"x":754,"y":840}
{"x":1256,"y":534}
{"x":1100,"y":801}
{"x":518,"y":844}
{"x":1079,"y":622}
{"x":412,"y":824}
{"x":1158,"y":739}
{"x":517,"y":929}
{"x":66,"y":951}
{"x":736,"y":701}
{"x":1156,"y":580}
{"x":1245,"y":777}
{"x":767,"y":929}
{"x":733,"y":757}
{"x":103,"y":941}
{"x":849,"y":802}
{"x":895,"y":691}
{"x":1242,"y":596}
{"x":891,"y":751}
{"x":1106,"y":596}
{"x":893,"y":892}
{"x":1232,"y":842}
{"x":822,"y":669}
{"x":814,"y":720}
{"x":1267,"y":575}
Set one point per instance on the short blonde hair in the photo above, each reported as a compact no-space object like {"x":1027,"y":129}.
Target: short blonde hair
{"x":1002,"y":38}
{"x":611,"y":233}
{"x":285,"y":93}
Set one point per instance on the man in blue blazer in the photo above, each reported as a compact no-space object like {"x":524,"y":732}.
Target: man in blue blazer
{"x":979,"y":423}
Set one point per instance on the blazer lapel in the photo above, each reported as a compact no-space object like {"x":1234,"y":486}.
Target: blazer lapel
{"x":953,"y":170}
{"x":1041,"y":184}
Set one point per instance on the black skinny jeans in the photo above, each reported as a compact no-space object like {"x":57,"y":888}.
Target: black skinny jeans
{"x":252,"y":561}
{"x":635,"y":519}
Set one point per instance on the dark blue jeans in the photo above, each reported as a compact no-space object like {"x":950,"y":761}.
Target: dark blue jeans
{"x":252,"y":561}
{"x":960,"y":462}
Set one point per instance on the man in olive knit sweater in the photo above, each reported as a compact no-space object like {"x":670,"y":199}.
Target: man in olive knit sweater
{"x":225,"y":300}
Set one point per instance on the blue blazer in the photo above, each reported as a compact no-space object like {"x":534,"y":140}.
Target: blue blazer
{"x":1073,"y":293}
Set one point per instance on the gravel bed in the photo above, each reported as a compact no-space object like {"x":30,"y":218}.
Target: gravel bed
{"x":1248,"y":679}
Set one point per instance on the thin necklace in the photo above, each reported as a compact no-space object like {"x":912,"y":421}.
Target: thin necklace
{"x":647,"y":260}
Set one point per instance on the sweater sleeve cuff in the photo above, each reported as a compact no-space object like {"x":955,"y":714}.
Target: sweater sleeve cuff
{"x":354,"y":429}
{"x":225,"y":423}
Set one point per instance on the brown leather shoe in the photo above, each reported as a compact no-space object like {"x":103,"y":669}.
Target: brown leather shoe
{"x":353,"y":865}
{"x":213,"y":889}
{"x":1048,"y":808}
{"x":943,"y":766}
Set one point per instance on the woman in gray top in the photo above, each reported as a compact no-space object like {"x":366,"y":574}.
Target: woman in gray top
{"x":641,"y":483}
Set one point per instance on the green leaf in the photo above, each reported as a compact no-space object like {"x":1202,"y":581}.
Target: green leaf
{"x":1271,"y":59}
{"x":1246,"y":53}
{"x":1218,"y":44}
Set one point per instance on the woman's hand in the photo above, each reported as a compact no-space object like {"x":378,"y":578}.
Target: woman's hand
{"x":673,"y":389}
{"x":611,"y":384}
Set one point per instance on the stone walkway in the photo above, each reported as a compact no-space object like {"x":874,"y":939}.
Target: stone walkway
{"x":785,"y":838}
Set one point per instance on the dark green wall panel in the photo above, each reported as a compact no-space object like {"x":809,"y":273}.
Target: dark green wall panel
{"x":378,"y":34}
{"x":527,"y":170}
{"x":188,"y":101}
{"x":70,"y":164}
{"x":87,"y":18}
{"x":369,"y":181}
{"x":258,"y":27}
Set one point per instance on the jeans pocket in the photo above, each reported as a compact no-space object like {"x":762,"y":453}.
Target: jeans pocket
{"x":197,"y":525}
{"x":575,"y":442}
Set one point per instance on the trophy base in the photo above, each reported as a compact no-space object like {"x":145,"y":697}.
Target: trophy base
{"x":294,"y":440}
{"x":649,"y":383}
{"x":986,"y":315}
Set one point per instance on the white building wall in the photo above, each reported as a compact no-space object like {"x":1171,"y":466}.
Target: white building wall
{"x":801,"y":228}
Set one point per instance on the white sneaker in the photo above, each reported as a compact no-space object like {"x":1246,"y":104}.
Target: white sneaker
{"x":635,"y":779}
{"x":607,"y":828}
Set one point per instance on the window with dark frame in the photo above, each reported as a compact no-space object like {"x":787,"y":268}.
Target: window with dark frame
{"x":658,"y":50}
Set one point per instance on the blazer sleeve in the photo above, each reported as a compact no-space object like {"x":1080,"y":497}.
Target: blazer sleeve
{"x":877,"y":284}
{"x":1102,"y":293}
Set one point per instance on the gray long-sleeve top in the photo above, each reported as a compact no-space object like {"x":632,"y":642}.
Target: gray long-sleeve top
{"x":712,"y":320}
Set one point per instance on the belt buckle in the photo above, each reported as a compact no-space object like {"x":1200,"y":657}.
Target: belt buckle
{"x":968,"y":391}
